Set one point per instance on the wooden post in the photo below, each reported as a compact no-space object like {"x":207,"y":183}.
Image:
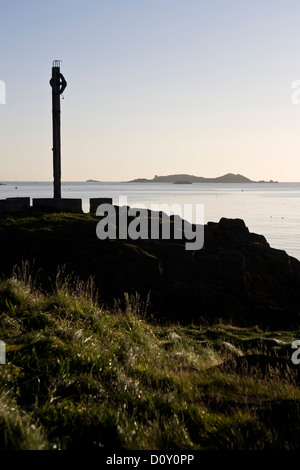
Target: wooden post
{"x":58,"y":85}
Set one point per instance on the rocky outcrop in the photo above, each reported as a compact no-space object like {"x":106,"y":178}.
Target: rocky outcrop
{"x":236,"y":276}
{"x":228,"y":178}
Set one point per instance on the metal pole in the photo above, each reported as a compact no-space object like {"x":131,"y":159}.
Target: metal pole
{"x":58,"y":85}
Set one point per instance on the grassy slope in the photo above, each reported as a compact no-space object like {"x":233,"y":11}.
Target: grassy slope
{"x":80,"y":376}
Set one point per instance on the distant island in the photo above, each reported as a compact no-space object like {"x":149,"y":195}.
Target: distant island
{"x":188,"y":179}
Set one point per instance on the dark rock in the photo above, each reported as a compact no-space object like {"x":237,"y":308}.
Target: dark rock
{"x":236,"y":276}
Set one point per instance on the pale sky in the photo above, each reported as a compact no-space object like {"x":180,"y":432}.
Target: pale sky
{"x":154,"y":87}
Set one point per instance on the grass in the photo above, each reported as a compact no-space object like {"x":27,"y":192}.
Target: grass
{"x":81,"y":376}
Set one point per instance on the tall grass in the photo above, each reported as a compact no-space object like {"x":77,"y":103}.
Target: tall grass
{"x":80,"y":375}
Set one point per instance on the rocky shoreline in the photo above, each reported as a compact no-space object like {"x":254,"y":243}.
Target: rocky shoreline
{"x":236,"y":277}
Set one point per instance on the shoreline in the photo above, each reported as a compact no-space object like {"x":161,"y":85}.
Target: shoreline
{"x":235,"y":271}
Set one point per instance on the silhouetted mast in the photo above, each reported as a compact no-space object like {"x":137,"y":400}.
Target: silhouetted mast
{"x":58,"y":84}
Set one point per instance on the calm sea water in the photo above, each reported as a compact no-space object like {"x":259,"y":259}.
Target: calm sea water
{"x":272,"y":210}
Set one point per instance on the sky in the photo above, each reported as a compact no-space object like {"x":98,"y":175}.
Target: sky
{"x":155,"y":87}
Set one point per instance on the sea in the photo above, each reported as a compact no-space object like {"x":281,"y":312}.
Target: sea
{"x":269,"y":209}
